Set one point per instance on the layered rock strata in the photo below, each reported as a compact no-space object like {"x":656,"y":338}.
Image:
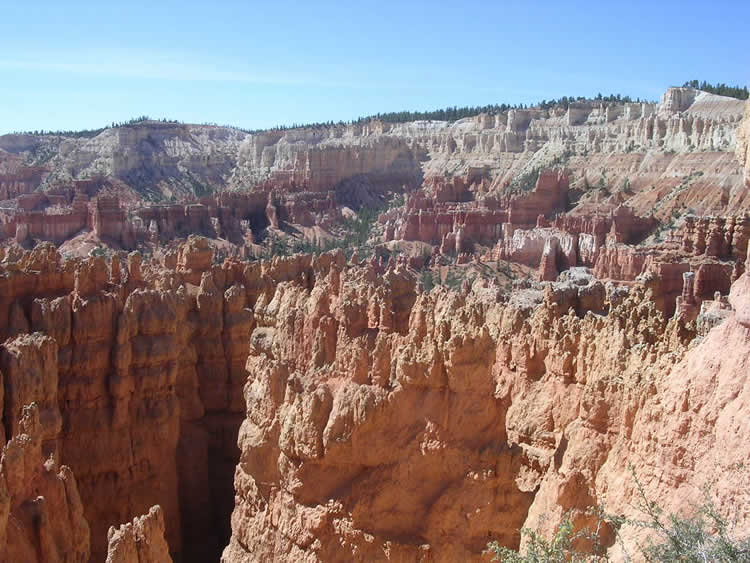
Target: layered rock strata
{"x":137,"y":371}
{"x":375,"y":421}
{"x":659,"y":158}
{"x":41,"y":515}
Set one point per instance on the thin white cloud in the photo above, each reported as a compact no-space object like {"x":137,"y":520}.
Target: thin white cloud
{"x":144,"y":65}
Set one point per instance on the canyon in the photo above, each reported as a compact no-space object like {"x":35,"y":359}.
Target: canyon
{"x":374,"y":341}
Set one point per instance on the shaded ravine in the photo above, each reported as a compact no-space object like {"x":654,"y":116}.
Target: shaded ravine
{"x":140,"y":383}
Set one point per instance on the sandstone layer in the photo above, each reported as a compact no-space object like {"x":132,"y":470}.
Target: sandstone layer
{"x":139,"y":541}
{"x":137,"y":379}
{"x":375,"y":420}
{"x":136,"y":371}
{"x":41,"y":515}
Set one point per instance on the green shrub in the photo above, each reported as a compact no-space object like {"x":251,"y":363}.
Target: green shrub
{"x":539,"y":550}
{"x":428,"y":280}
{"x":705,"y":536}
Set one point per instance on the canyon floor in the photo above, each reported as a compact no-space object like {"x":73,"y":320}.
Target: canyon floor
{"x":374,"y":341}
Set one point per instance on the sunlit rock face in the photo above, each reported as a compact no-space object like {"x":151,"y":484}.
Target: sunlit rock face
{"x":338,"y":411}
{"x":743,"y":142}
{"x":475,"y":416}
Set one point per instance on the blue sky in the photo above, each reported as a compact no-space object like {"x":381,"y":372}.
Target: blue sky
{"x":72,"y":65}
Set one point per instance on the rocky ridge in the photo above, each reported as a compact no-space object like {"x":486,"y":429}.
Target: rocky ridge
{"x":141,"y":541}
{"x":651,"y":151}
{"x":743,"y":142}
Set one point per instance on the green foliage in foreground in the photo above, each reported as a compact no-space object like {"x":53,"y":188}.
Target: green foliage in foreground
{"x":557,"y":550}
{"x":705,"y":536}
{"x":697,"y":539}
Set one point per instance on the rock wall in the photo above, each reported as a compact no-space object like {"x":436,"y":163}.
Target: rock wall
{"x":387,"y":425}
{"x":21,"y":180}
{"x":354,"y":415}
{"x":318,"y":159}
{"x":529,"y":246}
{"x":235,"y":216}
{"x":428,"y":219}
{"x":648,"y":145}
{"x":41,"y":516}
{"x":137,"y":372}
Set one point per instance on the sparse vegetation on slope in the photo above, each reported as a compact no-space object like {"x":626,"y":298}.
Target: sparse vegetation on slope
{"x":355,"y":235}
{"x":89,"y":133}
{"x":706,"y":535}
{"x":444,"y":114}
{"x":739,"y":92}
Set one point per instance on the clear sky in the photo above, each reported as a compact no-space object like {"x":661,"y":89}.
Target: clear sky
{"x":72,"y":65}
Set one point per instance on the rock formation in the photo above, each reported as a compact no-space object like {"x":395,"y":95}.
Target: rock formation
{"x":365,"y":403}
{"x":645,"y":155}
{"x":743,"y":142}
{"x":463,"y":421}
{"x":138,"y":376}
{"x":41,"y":516}
{"x":139,"y":541}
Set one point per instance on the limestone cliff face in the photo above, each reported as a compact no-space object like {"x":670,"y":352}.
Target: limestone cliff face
{"x":386,"y":425}
{"x":157,"y":157}
{"x":321,"y":158}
